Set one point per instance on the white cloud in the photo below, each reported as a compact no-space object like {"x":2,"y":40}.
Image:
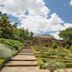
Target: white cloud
{"x":56,"y":35}
{"x":36,"y":21}
{"x":16,"y":7}
{"x":67,"y":25}
{"x":71,"y":2}
{"x":39,"y":24}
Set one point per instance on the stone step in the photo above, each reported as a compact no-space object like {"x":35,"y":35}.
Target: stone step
{"x":21,"y":63}
{"x":25,"y":51}
{"x":25,"y":69}
{"x":21,"y":60}
{"x":25,"y":54}
{"x":24,"y":57}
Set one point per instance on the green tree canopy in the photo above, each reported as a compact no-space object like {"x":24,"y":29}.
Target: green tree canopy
{"x":67,"y":35}
{"x":7,"y":30}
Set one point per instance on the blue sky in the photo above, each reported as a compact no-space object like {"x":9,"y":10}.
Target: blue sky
{"x":39,"y":16}
{"x":62,"y":8}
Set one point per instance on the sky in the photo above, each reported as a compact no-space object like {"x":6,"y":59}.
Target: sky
{"x":39,"y":16}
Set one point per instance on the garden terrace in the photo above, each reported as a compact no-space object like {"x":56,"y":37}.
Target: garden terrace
{"x":47,"y":55}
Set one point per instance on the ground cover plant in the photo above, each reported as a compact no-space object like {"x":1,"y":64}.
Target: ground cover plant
{"x":53,"y":58}
{"x":8,"y":48}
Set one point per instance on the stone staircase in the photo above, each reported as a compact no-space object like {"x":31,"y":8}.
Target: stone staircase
{"x":24,"y":61}
{"x":24,"y":58}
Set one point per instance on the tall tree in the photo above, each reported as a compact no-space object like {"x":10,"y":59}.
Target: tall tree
{"x":67,"y":35}
{"x":5,"y":26}
{"x":7,"y":30}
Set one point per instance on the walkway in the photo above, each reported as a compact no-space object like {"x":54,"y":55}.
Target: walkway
{"x":24,"y":61}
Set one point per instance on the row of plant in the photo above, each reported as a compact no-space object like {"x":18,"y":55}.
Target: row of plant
{"x":8,"y":48}
{"x":53,"y":58}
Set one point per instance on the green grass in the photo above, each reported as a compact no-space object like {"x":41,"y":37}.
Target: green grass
{"x":49,"y":55}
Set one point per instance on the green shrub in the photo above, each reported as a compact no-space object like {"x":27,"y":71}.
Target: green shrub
{"x":67,"y":46}
{"x":13,"y":44}
{"x":68,"y":65}
{"x":40,"y":63}
{"x":70,"y":48}
{"x":8,"y":48}
{"x":2,"y":61}
{"x":52,"y":66}
{"x":45,"y":44}
{"x":50,"y":56}
{"x":54,"y":45}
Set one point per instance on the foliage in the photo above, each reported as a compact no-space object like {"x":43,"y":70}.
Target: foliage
{"x":8,"y":48}
{"x":40,"y":63}
{"x":2,"y":61}
{"x":11,"y":38}
{"x":13,"y":44}
{"x":54,"y":45}
{"x":52,"y":66}
{"x":5,"y":26}
{"x":67,"y":35}
{"x":55,"y":58}
{"x":45,"y":44}
{"x":5,"y":54}
{"x":67,"y":46}
{"x":70,"y":48}
{"x":9,"y":31}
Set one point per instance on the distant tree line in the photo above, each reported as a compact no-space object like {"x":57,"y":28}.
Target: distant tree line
{"x":9,"y":31}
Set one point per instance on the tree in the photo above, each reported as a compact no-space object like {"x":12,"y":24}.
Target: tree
{"x":67,"y":35}
{"x":71,"y":48}
{"x":5,"y":26}
{"x":7,"y":30}
{"x":67,"y":46}
{"x":15,"y":25}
